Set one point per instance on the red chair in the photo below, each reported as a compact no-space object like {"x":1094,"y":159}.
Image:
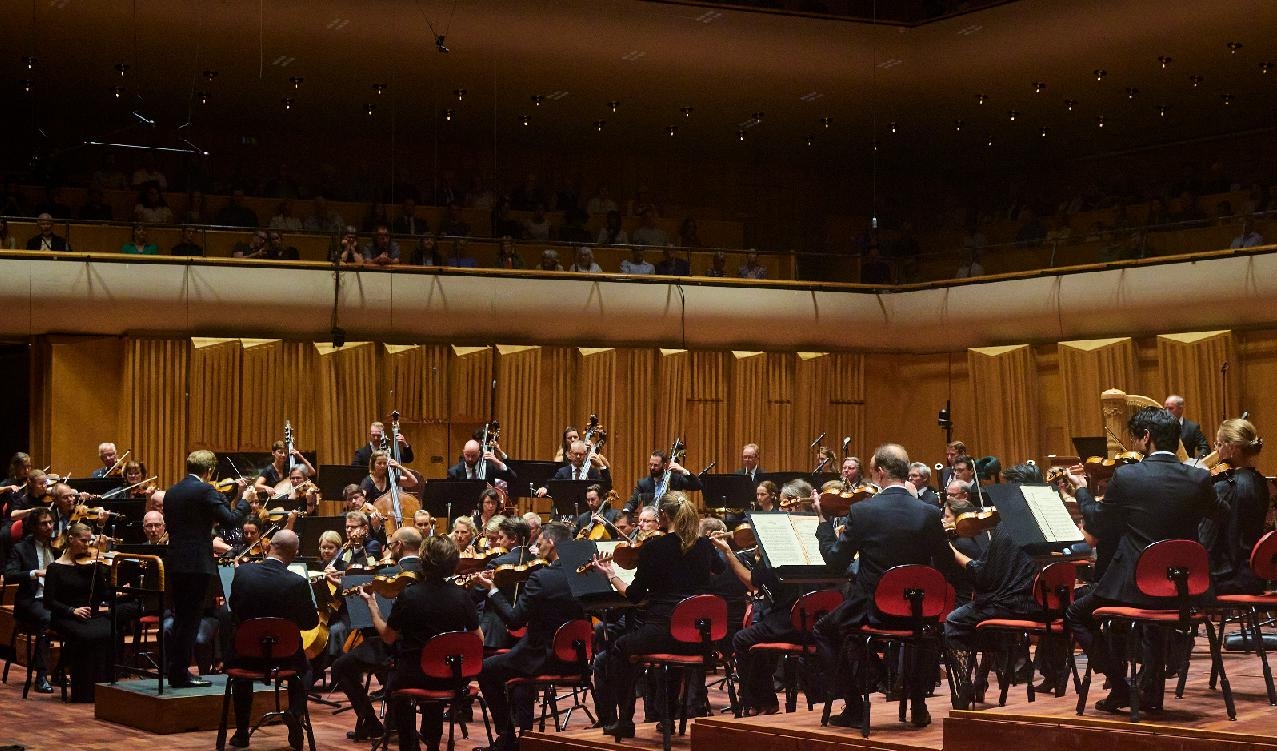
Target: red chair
{"x":15,"y":531}
{"x":573,"y":645}
{"x":1177,"y":571}
{"x":920,"y":597}
{"x":808,"y":609}
{"x":271,"y":644}
{"x":1053,"y":592}
{"x":457,"y":658}
{"x":1263,"y":561}
{"x":701,"y":620}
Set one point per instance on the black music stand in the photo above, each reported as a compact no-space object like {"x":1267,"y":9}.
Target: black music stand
{"x":1018,"y":520}
{"x":462,"y":496}
{"x":532,"y":474}
{"x":1091,"y":446}
{"x":333,"y":479}
{"x":728,"y":491}
{"x":569,"y":495}
{"x":309,"y":528}
{"x":96,"y":485}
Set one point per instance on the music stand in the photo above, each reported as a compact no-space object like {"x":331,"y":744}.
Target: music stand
{"x":531,"y":473}
{"x":332,"y":480}
{"x":461,"y":495}
{"x":96,"y":485}
{"x":1091,"y":446}
{"x":569,"y":495}
{"x":309,"y":528}
{"x":728,"y":491}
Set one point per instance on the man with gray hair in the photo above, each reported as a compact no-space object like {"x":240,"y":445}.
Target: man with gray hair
{"x":47,"y":240}
{"x":920,"y":479}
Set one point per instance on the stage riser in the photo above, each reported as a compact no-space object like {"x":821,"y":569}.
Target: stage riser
{"x":963,"y":732}
{"x":135,"y":704}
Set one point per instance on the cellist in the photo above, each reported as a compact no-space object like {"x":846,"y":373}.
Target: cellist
{"x":597,"y":523}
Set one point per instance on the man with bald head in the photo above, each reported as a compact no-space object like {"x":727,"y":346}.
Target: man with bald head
{"x":269,"y":590}
{"x":468,"y":467}
{"x":1190,"y":433}
{"x":154,"y":529}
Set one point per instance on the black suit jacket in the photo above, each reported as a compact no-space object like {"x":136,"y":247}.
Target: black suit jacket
{"x":1156,"y":499}
{"x":191,"y":508}
{"x":56,"y":242}
{"x":23,"y":559}
{"x":758,"y":472}
{"x":545,"y":603}
{"x":1195,"y":443}
{"x":458,"y":472}
{"x":645,"y":488}
{"x":893,"y":528}
{"x":363,"y":455}
{"x":592,"y":473}
{"x":269,"y":590}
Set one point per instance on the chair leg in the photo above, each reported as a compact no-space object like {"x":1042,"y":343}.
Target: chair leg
{"x":662,"y":703}
{"x":221,"y":726}
{"x":553,"y":698}
{"x":1083,"y":688}
{"x":865,"y":688}
{"x":1263,"y":655}
{"x":1216,"y":640}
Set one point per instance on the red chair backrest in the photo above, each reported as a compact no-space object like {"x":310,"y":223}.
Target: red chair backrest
{"x":574,"y":641}
{"x":1263,"y":557}
{"x":452,"y":655}
{"x":699,"y":618}
{"x":15,"y":531}
{"x":912,"y":590}
{"x":1053,"y":589}
{"x":813,"y":606}
{"x":267,"y":639}
{"x":1165,"y":563}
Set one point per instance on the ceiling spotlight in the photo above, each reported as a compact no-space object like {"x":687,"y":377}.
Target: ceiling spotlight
{"x":25,"y":84}
{"x":524,"y":120}
{"x":439,"y":45}
{"x":826,"y":121}
{"x":1014,"y":115}
{"x":1165,"y":60}
{"x":1161,"y":110}
{"x":1131,"y":91}
{"x":613,"y":105}
{"x":379,"y":88}
{"x":1265,"y":67}
{"x":1044,"y":132}
{"x":1069,"y":104}
{"x":1233,"y":47}
{"x":288,"y":102}
{"x":459,"y":94}
{"x":537,"y":99}
{"x":1038,"y":87}
{"x":122,"y":68}
{"x":892,"y":126}
{"x":1228,"y":98}
{"x":30,"y":61}
{"x":447,"y":115}
{"x":202,"y":96}
{"x":810,"y":140}
{"x":981,"y":98}
{"x":370,"y":108}
{"x":598,"y":125}
{"x":874,"y":144}
{"x":1099,"y":121}
{"x":209,"y":75}
{"x":1100,"y":73}
{"x":757,"y":116}
{"x":1196,"y":80}
{"x":687,"y":111}
{"x":957,"y":125}
{"x":296,"y":81}
{"x":671,"y":130}
{"x":118,"y":91}
{"x":988,"y":141}
{"x":741,"y":134}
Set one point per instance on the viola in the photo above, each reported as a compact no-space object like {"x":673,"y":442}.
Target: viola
{"x":1102,"y":468}
{"x":479,"y":560}
{"x":742,"y":536}
{"x":1222,"y":470}
{"x":973,"y":523}
{"x":626,"y":554}
{"x":508,"y":575}
{"x":839,"y":503}
{"x":389,"y":586}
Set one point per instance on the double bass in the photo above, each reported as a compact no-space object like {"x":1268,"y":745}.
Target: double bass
{"x":394,"y":506}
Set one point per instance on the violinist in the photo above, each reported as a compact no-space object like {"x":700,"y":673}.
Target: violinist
{"x":626,"y":524}
{"x":542,"y":605}
{"x":512,"y":535}
{"x":964,"y":468}
{"x":658,"y":463}
{"x":463,"y":535}
{"x":958,"y":502}
{"x":64,"y":500}
{"x":533,"y":520}
{"x":75,"y":592}
{"x":278,"y":469}
{"x":106,"y":453}
{"x":600,"y":514}
{"x":153,"y":528}
{"x":1230,"y":536}
{"x":376,"y":431}
{"x":671,"y":567}
{"x":19,"y":469}
{"x":766,"y":496}
{"x":191,"y":508}
{"x":135,"y":473}
{"x":27,"y":565}
{"x":34,"y":493}
{"x":424,"y":522}
{"x":795,"y":493}
{"x":360,"y":549}
{"x":489,"y":509}
{"x":952,"y":450}
{"x":920,"y":479}
{"x":850,"y":472}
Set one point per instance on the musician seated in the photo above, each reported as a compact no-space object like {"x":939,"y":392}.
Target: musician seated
{"x":250,"y":546}
{"x":269,"y":590}
{"x":430,"y":607}
{"x":795,"y":493}
{"x":726,"y":583}
{"x":850,"y":472}
{"x":363,"y":454}
{"x":360,"y":549}
{"x":600,"y":516}
{"x":32,"y":494}
{"x":106,"y":453}
{"x":490,"y":503}
{"x":135,"y":478}
{"x":278,"y":470}
{"x":599,"y":469}
{"x":766,"y":496}
{"x":542,"y":605}
{"x":63,"y":506}
{"x":28,"y":566}
{"x":424,"y":522}
{"x":533,"y":520}
{"x":920,"y":479}
{"x":964,"y":468}
{"x":377,"y":484}
{"x":1231,"y":536}
{"x":658,"y":463}
{"x":626,"y":524}
{"x":154,"y":529}
{"x":469,"y":468}
{"x":957,"y":502}
{"x":463,"y":535}
{"x":511,"y":534}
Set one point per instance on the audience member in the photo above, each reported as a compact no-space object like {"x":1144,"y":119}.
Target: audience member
{"x":453,"y":225}
{"x":717,"y":265}
{"x":322,"y":218}
{"x":47,"y":240}
{"x":585,"y":261}
{"x":381,"y":251}
{"x":235,"y":213}
{"x":550,"y":260}
{"x":7,"y":240}
{"x":187,"y":246}
{"x":670,"y":265}
{"x":612,"y":233}
{"x":278,"y":250}
{"x":507,"y":256}
{"x":139,"y":245}
{"x":284,"y":219}
{"x":537,"y":227}
{"x":636,"y":264}
{"x":151,"y":207}
{"x":647,"y":232}
{"x":751,"y":268}
{"x":147,"y":172}
{"x":376,"y":216}
{"x":408,"y":223}
{"x":601,"y":203}
{"x":1248,"y":238}
{"x":347,"y":251}
{"x":196,"y":208}
{"x":95,"y":207}
{"x":460,"y":258}
{"x":688,"y":235}
{"x":255,"y":248}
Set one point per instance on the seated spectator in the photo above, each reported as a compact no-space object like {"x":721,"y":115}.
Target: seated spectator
{"x":507,"y":256}
{"x":669,"y":265}
{"x":537,"y":227}
{"x":408,"y":223}
{"x":636,"y":264}
{"x":479,"y":196}
{"x":970,"y":266}
{"x":1184,"y":210}
{"x":139,"y":244}
{"x":648,"y":233}
{"x":347,"y":252}
{"x":284,"y":218}
{"x":426,"y":252}
{"x":688,"y":235}
{"x":585,"y":261}
{"x":1158,"y":215}
{"x":235,"y":213}
{"x":255,"y":248}
{"x":1257,"y":200}
{"x":1032,"y":231}
{"x":151,"y":207}
{"x":196,"y":208}
{"x":1248,"y":238}
{"x":453,"y":225}
{"x":1060,"y":232}
{"x":528,"y":195}
{"x":95,"y":207}
{"x":574,"y":229}
{"x":147,"y":172}
{"x":376,"y":217}
{"x":187,"y":245}
{"x":1224,"y":212}
{"x":322,"y":218}
{"x":717,"y":265}
{"x":550,"y":260}
{"x":602,"y":203}
{"x":47,"y":240}
{"x":282,"y":185}
{"x":460,"y":257}
{"x":382,"y":251}
{"x":612,"y":233}
{"x":7,"y":240}
{"x":278,"y":250}
{"x":751,"y":268}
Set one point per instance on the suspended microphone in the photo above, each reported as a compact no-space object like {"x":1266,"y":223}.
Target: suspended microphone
{"x":816,"y":442}
{"x":846,"y":441}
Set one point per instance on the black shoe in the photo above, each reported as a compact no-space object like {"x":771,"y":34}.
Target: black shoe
{"x":295,"y":734}
{"x":239,"y":740}
{"x":366,"y":732}
{"x":42,"y":686}
{"x":619,"y":730}
{"x":1115,"y":702}
{"x":849,"y":717}
{"x":190,"y":681}
{"x":919,"y":717}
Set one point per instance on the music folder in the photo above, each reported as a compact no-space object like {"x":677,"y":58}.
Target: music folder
{"x":591,"y":588}
{"x":790,"y":547}
{"x":728,"y":491}
{"x":1035,"y":516}
{"x":569,"y":495}
{"x":463,"y":495}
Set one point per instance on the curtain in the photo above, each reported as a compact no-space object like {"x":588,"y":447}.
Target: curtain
{"x":1192,"y":365}
{"x":215,"y":394}
{"x":1005,"y":392}
{"x":346,"y":396}
{"x":620,"y":386}
{"x":829,"y":398}
{"x":155,"y":403}
{"x":1087,"y":369}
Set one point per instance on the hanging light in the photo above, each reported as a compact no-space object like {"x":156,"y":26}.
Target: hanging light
{"x":447,"y":115}
{"x":459,"y":94}
{"x":30,"y":62}
{"x":1131,"y":91}
{"x":810,"y":140}
{"x":613,"y":105}
{"x":1044,"y":131}
{"x":1014,"y":115}
{"x":1100,"y":73}
{"x":288,"y":102}
{"x":370,"y":108}
{"x":1161,"y":110}
{"x":598,"y":125}
{"x":1165,"y":60}
{"x":537,"y":99}
{"x":296,"y":81}
{"x":826,"y":121}
{"x":122,"y":68}
{"x":892,"y":126}
{"x":957,"y":125}
{"x":202,"y":96}
{"x":1099,"y":121}
{"x":1069,"y":104}
{"x":1228,"y":98}
{"x":118,"y":91}
{"x":1038,"y":87}
{"x":740,"y":134}
{"x":671,"y":130}
{"x":687,"y":111}
{"x":1196,"y":80}
{"x":524,"y":120}
{"x":379,"y":88}
{"x":981,"y":98}
{"x":1233,"y":47}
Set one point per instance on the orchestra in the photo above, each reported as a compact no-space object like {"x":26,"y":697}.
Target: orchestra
{"x":498,"y":569}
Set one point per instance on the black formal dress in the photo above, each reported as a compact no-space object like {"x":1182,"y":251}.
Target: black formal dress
{"x":1232,"y":535}
{"x":269,"y":590}
{"x":645,"y":489}
{"x":29,"y":607}
{"x":88,"y":646}
{"x":544,"y":604}
{"x":1002,"y":578}
{"x":774,"y":624}
{"x":191,"y":508}
{"x":363,"y":455}
{"x":570,"y":472}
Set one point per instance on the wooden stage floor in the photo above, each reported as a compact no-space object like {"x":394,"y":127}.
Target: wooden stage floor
{"x":44,"y":723}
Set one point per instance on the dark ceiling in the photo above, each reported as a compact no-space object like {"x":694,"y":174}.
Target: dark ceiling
{"x":655,"y":59}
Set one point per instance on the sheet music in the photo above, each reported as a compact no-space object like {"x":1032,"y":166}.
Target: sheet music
{"x":1051,"y":514}
{"x":607,"y":546}
{"x":789,"y":540}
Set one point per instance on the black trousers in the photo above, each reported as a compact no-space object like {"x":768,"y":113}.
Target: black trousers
{"x":190,"y":589}
{"x":348,"y":673}
{"x":242,"y":692}
{"x":506,"y":716}
{"x":36,"y":616}
{"x":89,"y":653}
{"x":756,"y":669}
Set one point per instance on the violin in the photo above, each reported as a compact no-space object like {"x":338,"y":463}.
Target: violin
{"x":626,"y":554}
{"x":973,"y":523}
{"x":388,"y":586}
{"x":1102,"y":468}
{"x":742,"y":536}
{"x":508,"y":575}
{"x":84,"y":513}
{"x":1055,"y":474}
{"x":839,"y":503}
{"x":471,"y":563}
{"x":1221,"y":470}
